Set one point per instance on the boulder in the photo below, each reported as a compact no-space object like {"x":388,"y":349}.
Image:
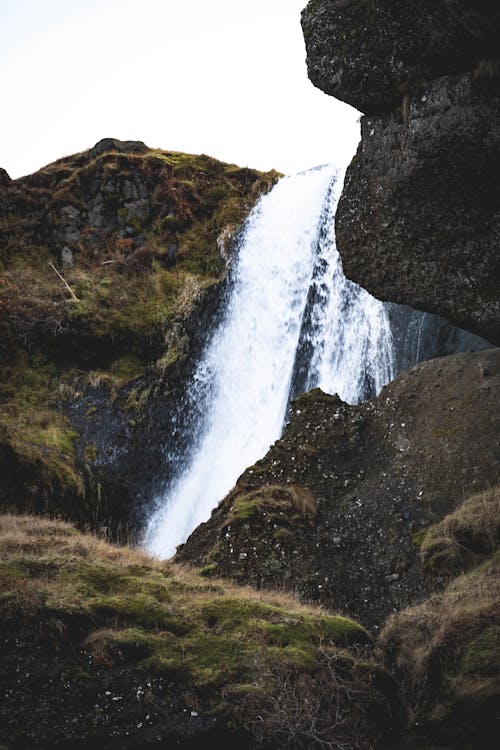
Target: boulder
{"x":368,"y":53}
{"x":419,"y":218}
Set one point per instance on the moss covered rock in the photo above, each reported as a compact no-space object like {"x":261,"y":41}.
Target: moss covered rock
{"x":446,"y":654}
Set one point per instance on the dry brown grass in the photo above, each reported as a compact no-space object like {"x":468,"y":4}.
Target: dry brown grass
{"x":34,"y":535}
{"x":448,"y":648}
{"x":472,"y":531}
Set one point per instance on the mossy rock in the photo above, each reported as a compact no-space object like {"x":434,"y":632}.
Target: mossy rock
{"x":106,"y":617}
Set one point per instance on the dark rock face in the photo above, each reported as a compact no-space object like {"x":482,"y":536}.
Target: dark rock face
{"x":419,"y":219}
{"x":333,"y":511}
{"x":5,"y":179}
{"x":370,"y":52}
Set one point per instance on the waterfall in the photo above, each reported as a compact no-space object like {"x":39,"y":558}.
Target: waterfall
{"x":346,"y":342}
{"x":292,"y":322}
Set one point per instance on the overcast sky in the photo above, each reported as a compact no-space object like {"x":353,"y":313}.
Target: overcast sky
{"x":220,"y":77}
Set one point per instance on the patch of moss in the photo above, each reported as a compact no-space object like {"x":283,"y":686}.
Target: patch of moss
{"x":275,"y":501}
{"x":481,"y":655}
{"x":316,"y":395}
{"x":172,"y":621}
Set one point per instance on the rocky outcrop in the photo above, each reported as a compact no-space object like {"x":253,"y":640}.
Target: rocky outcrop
{"x":335,"y":510}
{"x":418,"y":221}
{"x":112,"y":269}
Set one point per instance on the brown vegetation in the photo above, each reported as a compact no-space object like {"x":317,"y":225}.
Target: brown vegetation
{"x":92,"y":609}
{"x":464,"y":537}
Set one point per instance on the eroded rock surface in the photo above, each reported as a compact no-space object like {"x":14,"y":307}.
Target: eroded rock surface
{"x":334,"y":510}
{"x":419,"y":218}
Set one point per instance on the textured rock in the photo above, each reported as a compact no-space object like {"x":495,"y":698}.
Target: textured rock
{"x":419,"y":217}
{"x":370,"y":52}
{"x":333,"y":510}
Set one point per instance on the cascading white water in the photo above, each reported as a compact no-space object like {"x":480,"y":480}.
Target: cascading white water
{"x":347,"y":334}
{"x":287,"y":290}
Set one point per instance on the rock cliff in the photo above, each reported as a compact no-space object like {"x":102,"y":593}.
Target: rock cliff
{"x":111,"y":264}
{"x":419,"y":217}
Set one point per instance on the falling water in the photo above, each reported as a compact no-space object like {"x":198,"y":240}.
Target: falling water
{"x":292,"y":322}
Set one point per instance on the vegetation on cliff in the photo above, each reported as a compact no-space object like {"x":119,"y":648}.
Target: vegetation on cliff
{"x":445,"y":652}
{"x":104,"y":255}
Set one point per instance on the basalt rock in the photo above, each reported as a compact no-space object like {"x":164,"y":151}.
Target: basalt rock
{"x":370,"y":52}
{"x":419,"y":220}
{"x":334,"y":510}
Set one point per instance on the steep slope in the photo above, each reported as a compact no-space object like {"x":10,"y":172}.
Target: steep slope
{"x":104,"y":647}
{"x":335,"y":509}
{"x":110,"y":270}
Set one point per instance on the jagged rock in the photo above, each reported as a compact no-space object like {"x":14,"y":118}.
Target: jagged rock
{"x":370,"y":52}
{"x":334,"y":509}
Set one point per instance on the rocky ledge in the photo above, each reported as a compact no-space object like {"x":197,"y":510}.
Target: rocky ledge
{"x":419,"y":218}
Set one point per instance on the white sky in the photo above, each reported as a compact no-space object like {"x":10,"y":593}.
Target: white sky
{"x":219,"y":77}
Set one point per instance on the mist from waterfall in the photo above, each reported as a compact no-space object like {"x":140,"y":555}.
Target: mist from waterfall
{"x":292,"y":322}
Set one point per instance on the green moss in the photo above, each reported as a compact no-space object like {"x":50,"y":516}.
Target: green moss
{"x":481,"y":656}
{"x":418,"y":538}
{"x":316,"y":395}
{"x":244,"y":509}
{"x":211,"y":641}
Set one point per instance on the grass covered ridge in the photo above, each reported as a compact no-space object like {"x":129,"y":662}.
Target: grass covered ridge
{"x":95,"y":615}
{"x":206,"y":633}
{"x":463,"y":537}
